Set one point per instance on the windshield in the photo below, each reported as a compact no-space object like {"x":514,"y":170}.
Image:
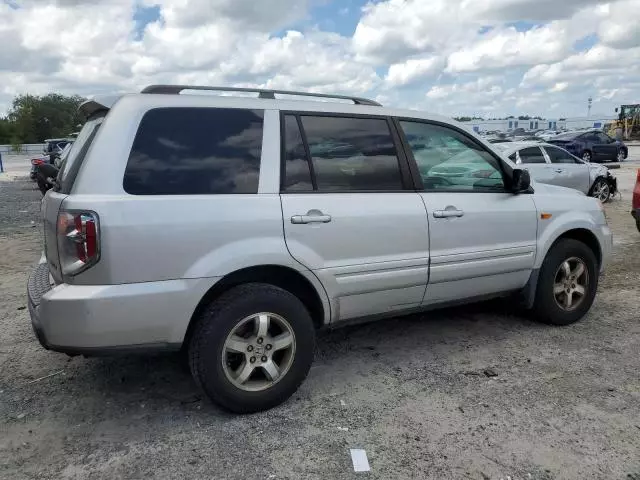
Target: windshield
{"x":71,"y":163}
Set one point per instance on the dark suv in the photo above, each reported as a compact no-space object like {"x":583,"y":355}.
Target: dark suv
{"x":592,"y":145}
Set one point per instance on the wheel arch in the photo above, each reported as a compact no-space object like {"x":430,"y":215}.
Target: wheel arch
{"x":311,"y":295}
{"x":583,"y":235}
{"x":593,"y":184}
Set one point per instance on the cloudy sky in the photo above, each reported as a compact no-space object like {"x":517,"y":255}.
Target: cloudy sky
{"x":471,"y":57}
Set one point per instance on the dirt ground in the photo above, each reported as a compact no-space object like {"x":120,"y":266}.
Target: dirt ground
{"x":417,"y":393}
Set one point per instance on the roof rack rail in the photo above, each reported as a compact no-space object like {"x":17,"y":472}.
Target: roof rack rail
{"x":262,"y":93}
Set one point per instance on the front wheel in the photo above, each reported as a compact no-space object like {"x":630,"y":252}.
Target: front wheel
{"x":586,"y":156}
{"x":601,"y":190}
{"x":622,"y":155}
{"x":567,"y":283}
{"x":252,"y":348}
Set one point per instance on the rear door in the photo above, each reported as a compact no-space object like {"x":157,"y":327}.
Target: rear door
{"x":482,"y":237}
{"x":570,"y":171}
{"x":350,"y":214}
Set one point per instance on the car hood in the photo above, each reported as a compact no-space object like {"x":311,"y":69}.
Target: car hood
{"x":545,"y":188}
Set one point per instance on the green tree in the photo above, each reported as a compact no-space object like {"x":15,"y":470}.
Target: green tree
{"x":35,"y":118}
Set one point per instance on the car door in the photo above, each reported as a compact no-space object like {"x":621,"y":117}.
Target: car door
{"x":607,"y":146}
{"x":482,"y":237}
{"x":533,"y":159}
{"x":350,"y":213}
{"x":571,"y":172}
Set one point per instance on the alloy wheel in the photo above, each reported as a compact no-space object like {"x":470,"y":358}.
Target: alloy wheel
{"x":571,"y":283}
{"x":259,"y":351}
{"x":621,"y":156}
{"x":586,"y":156}
{"x":601,"y":191}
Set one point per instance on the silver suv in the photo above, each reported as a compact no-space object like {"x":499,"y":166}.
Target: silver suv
{"x":233,"y":228}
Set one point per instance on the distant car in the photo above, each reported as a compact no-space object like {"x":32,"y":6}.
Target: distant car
{"x":39,"y":160}
{"x":550,"y":164}
{"x":635,"y":201}
{"x":54,"y":146}
{"x":592,"y":145}
{"x":499,"y":140}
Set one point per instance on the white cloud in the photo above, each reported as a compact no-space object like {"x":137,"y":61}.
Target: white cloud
{"x":412,"y":70}
{"x":449,"y":56}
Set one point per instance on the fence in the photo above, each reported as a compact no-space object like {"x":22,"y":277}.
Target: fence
{"x":25,"y":148}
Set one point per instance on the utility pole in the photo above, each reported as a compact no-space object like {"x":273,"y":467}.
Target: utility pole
{"x":589,"y":106}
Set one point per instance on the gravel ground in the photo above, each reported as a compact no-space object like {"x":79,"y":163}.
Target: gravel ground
{"x":475,"y":392}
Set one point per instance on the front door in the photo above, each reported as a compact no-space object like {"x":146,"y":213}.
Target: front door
{"x":482,"y":238}
{"x":570,"y":171}
{"x":605,"y":148}
{"x":350,"y":215}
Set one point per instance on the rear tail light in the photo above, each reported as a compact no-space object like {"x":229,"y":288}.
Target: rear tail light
{"x":37,"y":161}
{"x":78,"y":241}
{"x":635,"y":200}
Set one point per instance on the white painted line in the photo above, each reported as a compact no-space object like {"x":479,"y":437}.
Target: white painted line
{"x":359,"y":459}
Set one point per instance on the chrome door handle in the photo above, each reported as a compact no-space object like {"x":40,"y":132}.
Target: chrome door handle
{"x":312,"y":216}
{"x":559,"y":170}
{"x":447,"y":213}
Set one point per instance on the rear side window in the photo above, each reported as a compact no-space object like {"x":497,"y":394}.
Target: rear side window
{"x":531,"y":155}
{"x":188,"y":151}
{"x":350,"y":154}
{"x":558,"y":155}
{"x":73,"y":161}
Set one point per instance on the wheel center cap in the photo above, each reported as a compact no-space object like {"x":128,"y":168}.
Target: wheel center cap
{"x":258,"y":349}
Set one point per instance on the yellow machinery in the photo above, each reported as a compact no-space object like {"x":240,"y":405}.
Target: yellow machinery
{"x":629,"y":121}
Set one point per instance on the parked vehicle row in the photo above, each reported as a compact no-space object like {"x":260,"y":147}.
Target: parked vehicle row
{"x":592,"y":145}
{"x":550,"y":164}
{"x":233,"y":228}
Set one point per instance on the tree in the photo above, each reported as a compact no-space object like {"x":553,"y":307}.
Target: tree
{"x":35,"y":118}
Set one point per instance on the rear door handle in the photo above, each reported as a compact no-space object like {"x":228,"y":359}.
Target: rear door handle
{"x":559,"y":170}
{"x":448,"y":213}
{"x":312,"y":216}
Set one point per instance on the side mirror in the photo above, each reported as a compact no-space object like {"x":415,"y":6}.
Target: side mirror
{"x":520,"y":180}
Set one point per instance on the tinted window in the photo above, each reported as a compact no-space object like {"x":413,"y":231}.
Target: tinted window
{"x":531,"y":155}
{"x":71,"y":164}
{"x":352,"y":153}
{"x":449,"y":160}
{"x":558,"y":155}
{"x":195,"y":151}
{"x":297,"y":174}
{"x":603,"y":138}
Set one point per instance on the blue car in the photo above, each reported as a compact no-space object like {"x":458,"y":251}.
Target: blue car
{"x":592,"y":145}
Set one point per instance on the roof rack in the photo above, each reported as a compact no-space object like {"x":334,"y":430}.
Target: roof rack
{"x":262,"y":93}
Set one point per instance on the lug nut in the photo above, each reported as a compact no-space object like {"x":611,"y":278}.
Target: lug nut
{"x":268,"y":347}
{"x":250,"y":348}
{"x":264,"y":358}
{"x":260,"y":340}
{"x":252,"y":359}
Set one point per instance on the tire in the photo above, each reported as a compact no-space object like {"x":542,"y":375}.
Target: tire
{"x":601,"y":190}
{"x":223,"y":320}
{"x":586,"y":156}
{"x":624,"y":153}
{"x":547,"y":308}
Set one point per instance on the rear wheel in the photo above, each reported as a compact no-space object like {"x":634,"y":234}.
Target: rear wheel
{"x":252,"y":348}
{"x":601,"y":190}
{"x":567,"y":283}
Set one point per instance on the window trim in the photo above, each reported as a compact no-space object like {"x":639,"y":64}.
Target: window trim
{"x":504,"y":168}
{"x":403,"y":163}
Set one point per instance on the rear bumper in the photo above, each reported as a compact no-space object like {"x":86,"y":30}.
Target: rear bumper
{"x":110,"y":319}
